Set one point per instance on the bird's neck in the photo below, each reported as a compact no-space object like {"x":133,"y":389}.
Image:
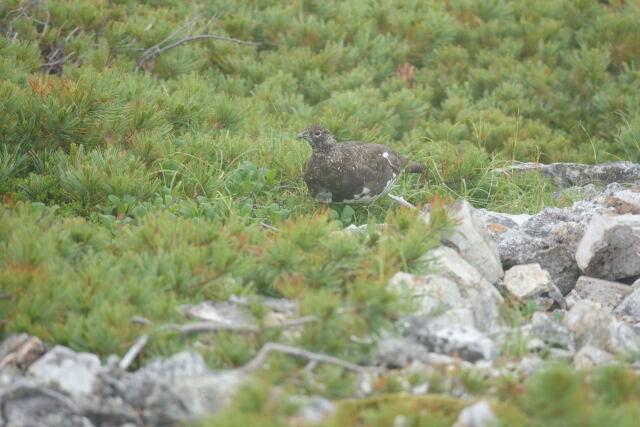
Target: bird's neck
{"x":323,"y":148}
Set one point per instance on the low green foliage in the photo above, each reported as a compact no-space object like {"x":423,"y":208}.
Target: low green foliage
{"x":75,"y":283}
{"x":556,"y":395}
{"x":128,"y":187}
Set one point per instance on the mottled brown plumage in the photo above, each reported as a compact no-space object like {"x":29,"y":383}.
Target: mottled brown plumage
{"x":352,"y":171}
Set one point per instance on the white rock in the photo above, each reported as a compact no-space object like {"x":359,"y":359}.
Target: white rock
{"x":188,"y":363}
{"x":590,"y":323}
{"x":589,"y":357}
{"x":420,"y":389}
{"x":482,"y":296}
{"x":458,"y":316}
{"x":433,"y":294}
{"x":572,"y":298}
{"x":457,"y":291}
{"x":479,"y":414}
{"x":71,"y":372}
{"x":527,"y":281}
{"x":313,"y":409}
{"x":610,"y":247}
{"x":471,"y":239}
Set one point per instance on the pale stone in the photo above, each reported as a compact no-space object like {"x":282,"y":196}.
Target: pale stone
{"x":610,"y":247}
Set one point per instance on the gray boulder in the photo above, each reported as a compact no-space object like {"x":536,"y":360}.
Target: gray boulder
{"x":565,"y":175}
{"x":623,"y":201}
{"x":596,"y":326}
{"x":588,"y":357}
{"x":26,"y":404}
{"x":630,"y":306}
{"x":189,"y":398}
{"x":610,"y":247}
{"x":18,"y":352}
{"x":590,"y":324}
{"x":478,"y":291}
{"x":400,"y":352}
{"x":605,"y":292}
{"x":549,"y":238}
{"x":469,"y":237}
{"x":175,"y":390}
{"x":530,"y":281}
{"x":445,"y":338}
{"x":62,"y":368}
{"x":457,"y":286}
{"x":551,"y":331}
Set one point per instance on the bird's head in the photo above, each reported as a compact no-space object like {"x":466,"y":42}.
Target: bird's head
{"x":318,"y":136}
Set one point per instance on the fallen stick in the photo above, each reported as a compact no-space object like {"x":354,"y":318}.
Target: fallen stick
{"x":196,"y":327}
{"x":131,"y":354}
{"x":156,"y":50}
{"x":269,"y":227}
{"x":269,"y":347}
{"x":191,"y":328}
{"x":402,"y":201}
{"x":141,"y":320}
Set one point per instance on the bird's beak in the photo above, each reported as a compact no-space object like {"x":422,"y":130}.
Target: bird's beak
{"x":301,"y":136}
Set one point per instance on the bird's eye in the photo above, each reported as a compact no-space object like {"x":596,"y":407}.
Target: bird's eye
{"x":317,"y":134}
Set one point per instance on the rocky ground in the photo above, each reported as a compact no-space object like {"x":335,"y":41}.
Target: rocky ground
{"x":579,"y":267}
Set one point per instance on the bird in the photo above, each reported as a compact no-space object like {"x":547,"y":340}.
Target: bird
{"x":351,"y":172}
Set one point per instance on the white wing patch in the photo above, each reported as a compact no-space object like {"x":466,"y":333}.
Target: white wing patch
{"x":386,"y":156}
{"x":365,"y":195}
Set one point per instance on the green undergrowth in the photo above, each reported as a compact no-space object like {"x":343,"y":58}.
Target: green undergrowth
{"x":131,"y":186}
{"x":76,"y":283}
{"x":556,"y":395}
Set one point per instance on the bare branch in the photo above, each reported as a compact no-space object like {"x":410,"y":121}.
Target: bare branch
{"x":190,"y":328}
{"x":206,"y":280}
{"x":269,"y":227}
{"x":46,"y":22}
{"x":158,"y":48}
{"x":402,"y":201}
{"x":295,"y":322}
{"x":135,"y":349}
{"x":269,"y":347}
{"x":196,"y":327}
{"x":58,"y":61}
{"x":141,"y":320}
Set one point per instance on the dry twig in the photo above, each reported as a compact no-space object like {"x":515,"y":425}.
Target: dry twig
{"x":141,"y":320}
{"x":269,"y":347}
{"x":195,"y":327}
{"x":402,"y":201}
{"x":269,"y":227}
{"x":135,"y":349}
{"x":160,"y":47}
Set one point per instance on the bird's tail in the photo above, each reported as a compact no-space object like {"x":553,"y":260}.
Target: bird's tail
{"x":414,"y":167}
